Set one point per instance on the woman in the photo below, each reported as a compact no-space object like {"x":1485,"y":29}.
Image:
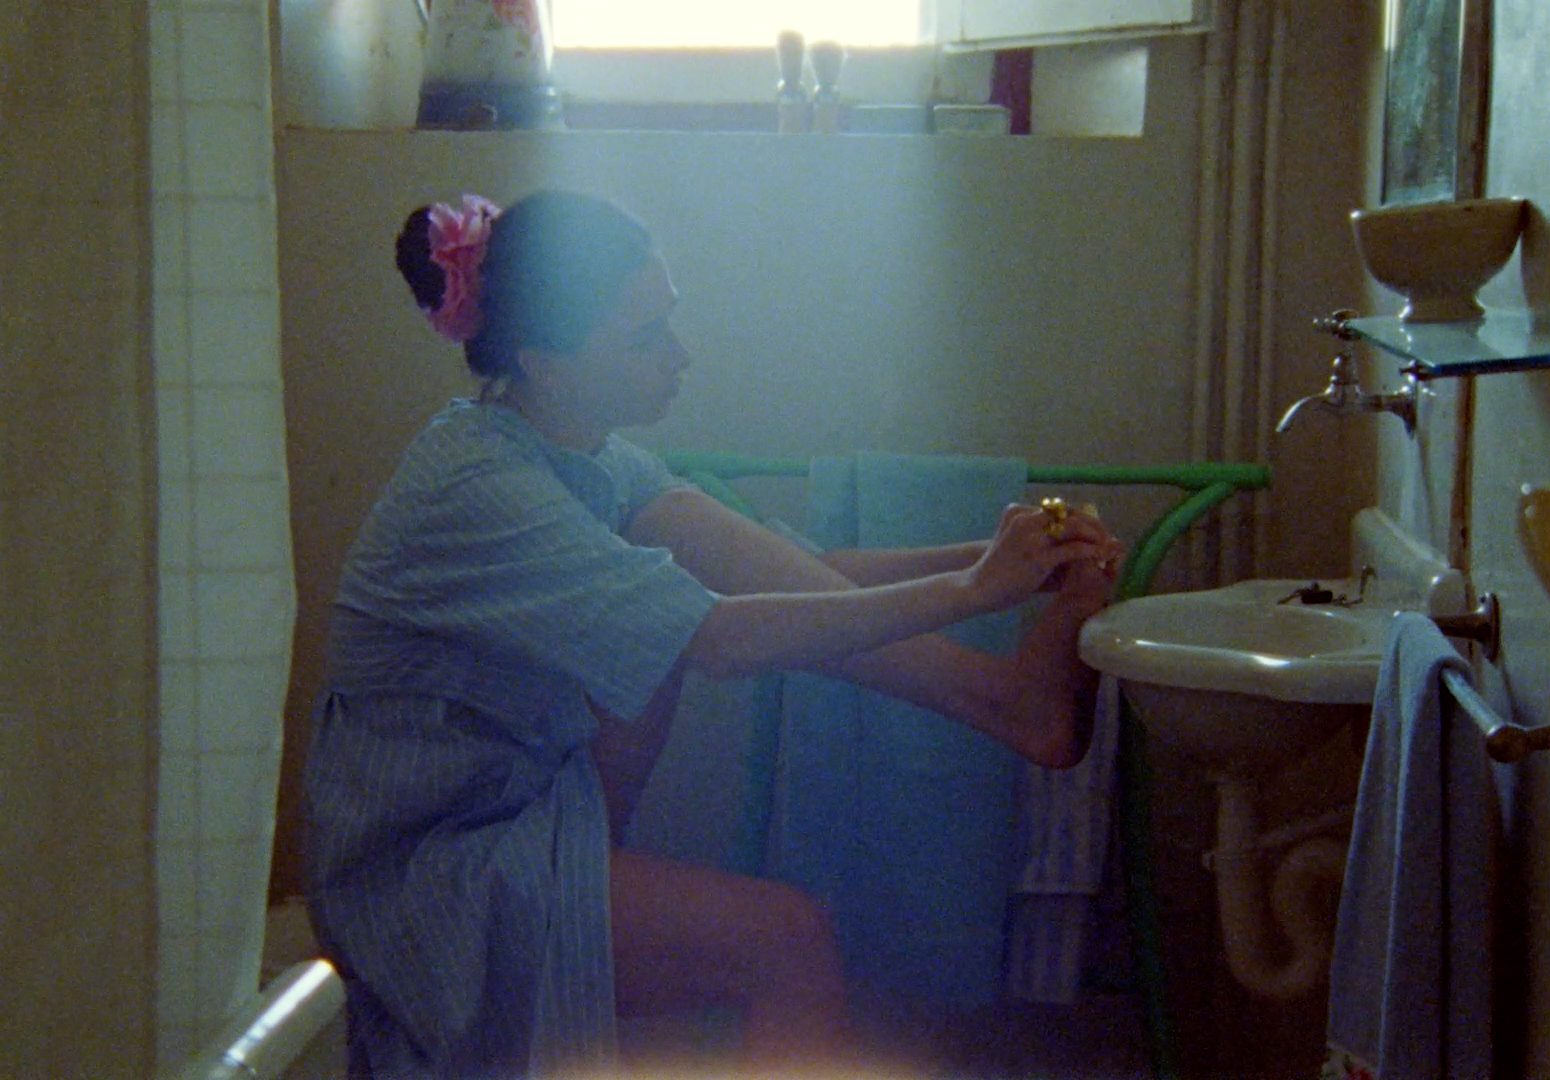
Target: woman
{"x":526,"y":580}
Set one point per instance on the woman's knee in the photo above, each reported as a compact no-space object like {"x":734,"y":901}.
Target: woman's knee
{"x":796,"y":938}
{"x":686,"y":933}
{"x":802,"y":917}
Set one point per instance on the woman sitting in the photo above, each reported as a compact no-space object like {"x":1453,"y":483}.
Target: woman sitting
{"x":510,"y":633}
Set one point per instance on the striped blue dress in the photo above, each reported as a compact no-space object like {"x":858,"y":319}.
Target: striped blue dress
{"x":458,"y":843}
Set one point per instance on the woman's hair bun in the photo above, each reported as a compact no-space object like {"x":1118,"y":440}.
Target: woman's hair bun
{"x":413,"y":254}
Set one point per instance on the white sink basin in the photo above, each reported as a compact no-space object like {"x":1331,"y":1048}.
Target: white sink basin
{"x":1240,"y":639}
{"x":1242,"y":682}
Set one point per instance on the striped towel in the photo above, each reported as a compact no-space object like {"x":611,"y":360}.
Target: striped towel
{"x":1066,"y":818}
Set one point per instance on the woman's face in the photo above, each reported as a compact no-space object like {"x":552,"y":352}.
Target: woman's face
{"x":627,"y":372}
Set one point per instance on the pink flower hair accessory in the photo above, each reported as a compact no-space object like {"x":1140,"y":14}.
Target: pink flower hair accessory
{"x":457,"y":240}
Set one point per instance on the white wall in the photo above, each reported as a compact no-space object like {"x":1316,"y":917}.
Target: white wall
{"x":1512,"y":448}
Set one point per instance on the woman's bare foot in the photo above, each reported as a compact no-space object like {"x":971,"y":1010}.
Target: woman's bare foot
{"x":1051,"y":721}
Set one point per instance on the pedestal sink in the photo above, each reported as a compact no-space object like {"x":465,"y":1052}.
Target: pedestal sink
{"x":1246,"y":680}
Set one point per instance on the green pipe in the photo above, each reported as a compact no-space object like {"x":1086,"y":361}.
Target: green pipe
{"x":1135,"y":826}
{"x":1188,"y":475}
{"x":1208,"y":483}
{"x":723,"y":492}
{"x":1142,"y":561}
{"x":731,"y":466}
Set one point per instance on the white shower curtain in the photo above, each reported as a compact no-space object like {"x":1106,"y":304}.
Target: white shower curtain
{"x":226,"y":592}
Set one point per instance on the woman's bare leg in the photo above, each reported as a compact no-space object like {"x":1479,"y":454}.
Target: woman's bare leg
{"x":1038,"y":700}
{"x":627,"y":750}
{"x":687,"y":936}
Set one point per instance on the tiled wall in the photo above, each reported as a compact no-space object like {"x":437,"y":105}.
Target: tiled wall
{"x":226,"y":592}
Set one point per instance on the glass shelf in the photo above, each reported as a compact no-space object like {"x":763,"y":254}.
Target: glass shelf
{"x":1501,"y":341}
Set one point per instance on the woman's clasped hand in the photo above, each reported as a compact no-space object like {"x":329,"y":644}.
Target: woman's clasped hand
{"x":1033,"y":547}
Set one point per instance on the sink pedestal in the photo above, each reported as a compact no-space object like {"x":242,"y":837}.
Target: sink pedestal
{"x":1275,"y":895}
{"x":1259,"y":890}
{"x":1236,"y":735}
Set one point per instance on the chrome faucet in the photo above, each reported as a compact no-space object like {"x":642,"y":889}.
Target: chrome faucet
{"x":1344,"y":394}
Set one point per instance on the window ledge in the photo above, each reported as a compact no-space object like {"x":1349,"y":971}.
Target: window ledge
{"x":764,"y":117}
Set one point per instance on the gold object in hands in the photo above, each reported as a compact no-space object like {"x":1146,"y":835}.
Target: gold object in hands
{"x":1054,"y":508}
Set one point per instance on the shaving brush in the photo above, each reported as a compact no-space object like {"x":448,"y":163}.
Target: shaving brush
{"x":828,"y":57}
{"x":790,"y":101}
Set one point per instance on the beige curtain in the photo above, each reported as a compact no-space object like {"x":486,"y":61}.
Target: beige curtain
{"x":78,"y":649}
{"x":146,"y":593}
{"x":1235,"y":265}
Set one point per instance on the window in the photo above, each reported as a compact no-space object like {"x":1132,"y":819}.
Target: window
{"x":358,"y":63}
{"x":720,"y":51}
{"x":737,"y":24}
{"x":1004,"y":23}
{"x":751,"y":24}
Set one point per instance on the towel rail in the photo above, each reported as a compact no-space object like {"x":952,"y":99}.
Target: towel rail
{"x":1483,"y":625}
{"x":1504,"y":740}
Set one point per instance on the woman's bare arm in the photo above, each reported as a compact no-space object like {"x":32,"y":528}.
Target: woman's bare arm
{"x":993,"y":694}
{"x":883,"y":566}
{"x":782,"y":608}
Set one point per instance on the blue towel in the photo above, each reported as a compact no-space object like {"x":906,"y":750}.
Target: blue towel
{"x":1410,"y":979}
{"x":900,"y":820}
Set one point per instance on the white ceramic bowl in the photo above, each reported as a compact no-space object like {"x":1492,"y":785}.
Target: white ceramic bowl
{"x":1437,"y":255}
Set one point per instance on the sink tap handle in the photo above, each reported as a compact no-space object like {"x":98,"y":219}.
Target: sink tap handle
{"x":1337,"y":323}
{"x":1367,"y":574}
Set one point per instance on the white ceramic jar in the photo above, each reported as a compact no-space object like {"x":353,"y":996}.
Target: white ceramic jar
{"x":487,"y":65}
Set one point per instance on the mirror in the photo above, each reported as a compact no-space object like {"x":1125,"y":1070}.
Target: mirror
{"x":1433,"y":119}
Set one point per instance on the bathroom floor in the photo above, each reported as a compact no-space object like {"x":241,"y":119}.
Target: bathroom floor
{"x":1100,"y":1038}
